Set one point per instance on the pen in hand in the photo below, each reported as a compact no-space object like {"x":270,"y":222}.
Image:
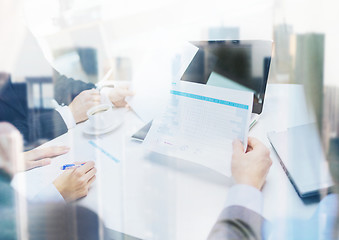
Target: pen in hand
{"x":69,"y":166}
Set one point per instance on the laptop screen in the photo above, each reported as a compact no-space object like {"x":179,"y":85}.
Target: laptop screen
{"x":237,"y":64}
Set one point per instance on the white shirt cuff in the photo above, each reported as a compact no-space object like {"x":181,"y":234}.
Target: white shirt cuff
{"x":67,"y":116}
{"x":245,"y":196}
{"x":48,"y":194}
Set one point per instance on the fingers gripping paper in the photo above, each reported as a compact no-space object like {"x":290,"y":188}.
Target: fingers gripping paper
{"x":200,"y":123}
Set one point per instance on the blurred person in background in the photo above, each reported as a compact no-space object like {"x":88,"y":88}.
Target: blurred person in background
{"x":44,"y":219}
{"x":48,"y":219}
{"x":50,"y":123}
{"x":71,"y":185}
{"x":73,"y":97}
{"x":242,"y":216}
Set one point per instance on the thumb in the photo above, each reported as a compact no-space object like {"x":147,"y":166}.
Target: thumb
{"x":238,"y":148}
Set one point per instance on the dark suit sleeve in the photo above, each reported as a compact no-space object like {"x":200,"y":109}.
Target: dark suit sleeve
{"x":46,"y":124}
{"x":66,"y":89}
{"x":237,"y":222}
{"x":34,"y":124}
{"x":38,"y":126}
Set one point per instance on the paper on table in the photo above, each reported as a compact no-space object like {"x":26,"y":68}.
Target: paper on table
{"x":200,"y":124}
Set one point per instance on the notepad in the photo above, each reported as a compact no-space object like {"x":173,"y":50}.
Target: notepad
{"x":199,"y":124}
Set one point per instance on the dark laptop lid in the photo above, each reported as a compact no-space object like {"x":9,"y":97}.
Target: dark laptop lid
{"x":236,"y":64}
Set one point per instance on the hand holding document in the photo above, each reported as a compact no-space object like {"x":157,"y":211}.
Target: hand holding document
{"x":200,"y":123}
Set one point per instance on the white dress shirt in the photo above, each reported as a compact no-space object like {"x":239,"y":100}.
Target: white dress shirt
{"x":67,"y":116}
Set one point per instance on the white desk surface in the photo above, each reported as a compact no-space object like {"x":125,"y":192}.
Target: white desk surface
{"x":155,"y":197}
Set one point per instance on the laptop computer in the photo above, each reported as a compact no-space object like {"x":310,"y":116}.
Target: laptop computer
{"x":236,"y":64}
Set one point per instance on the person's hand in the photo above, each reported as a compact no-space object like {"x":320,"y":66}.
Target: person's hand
{"x":74,"y":183}
{"x":13,"y":160}
{"x":250,"y":168}
{"x":42,"y":156}
{"x":84,"y":101}
{"x":118,"y":94}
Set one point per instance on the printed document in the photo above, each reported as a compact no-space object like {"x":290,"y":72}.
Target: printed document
{"x":200,"y":123}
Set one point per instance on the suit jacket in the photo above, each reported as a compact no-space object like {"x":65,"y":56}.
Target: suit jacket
{"x":41,"y":221}
{"x":45,"y":220}
{"x":66,"y":89}
{"x":236,"y":222}
{"x":32,"y":123}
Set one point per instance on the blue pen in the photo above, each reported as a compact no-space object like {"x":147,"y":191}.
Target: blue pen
{"x":72,"y":165}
